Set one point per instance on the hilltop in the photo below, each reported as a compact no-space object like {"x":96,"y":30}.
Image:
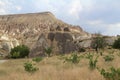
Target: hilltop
{"x":41,"y":30}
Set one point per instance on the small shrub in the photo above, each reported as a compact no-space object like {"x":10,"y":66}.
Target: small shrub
{"x":113,"y":74}
{"x":29,"y":67}
{"x":48,"y":51}
{"x":61,"y":57}
{"x":81,"y":49}
{"x":37,"y":59}
{"x":92,"y":62}
{"x":116,"y":44}
{"x":88,"y":56}
{"x":19,"y":52}
{"x":109,"y":57}
{"x":74,"y":58}
{"x":15,"y":55}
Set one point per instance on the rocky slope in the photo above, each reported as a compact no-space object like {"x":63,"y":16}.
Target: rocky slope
{"x":38,"y":31}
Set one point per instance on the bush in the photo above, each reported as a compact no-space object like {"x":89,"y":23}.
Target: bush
{"x":113,"y":74}
{"x":92,"y":62}
{"x":37,"y":59}
{"x":98,"y":43}
{"x":74,"y":58}
{"x":15,"y":55}
{"x":19,"y":51}
{"x":116,"y":44}
{"x":48,"y":51}
{"x":81,"y":49}
{"x":109,"y":57}
{"x":29,"y":67}
{"x":88,"y":56}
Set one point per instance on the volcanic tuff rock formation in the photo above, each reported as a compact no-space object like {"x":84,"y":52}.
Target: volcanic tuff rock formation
{"x":38,"y":31}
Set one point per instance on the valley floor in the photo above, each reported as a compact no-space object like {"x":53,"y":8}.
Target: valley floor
{"x":54,"y":68}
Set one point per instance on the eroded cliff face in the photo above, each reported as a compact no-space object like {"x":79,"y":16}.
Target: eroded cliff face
{"x":6,"y":43}
{"x":38,"y":31}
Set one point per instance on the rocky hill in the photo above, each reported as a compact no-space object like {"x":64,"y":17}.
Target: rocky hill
{"x":38,"y":31}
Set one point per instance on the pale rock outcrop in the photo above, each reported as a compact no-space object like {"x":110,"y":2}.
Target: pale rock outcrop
{"x":41,"y":30}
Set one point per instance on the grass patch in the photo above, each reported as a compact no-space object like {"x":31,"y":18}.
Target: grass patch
{"x":53,"y":68}
{"x":109,"y":57}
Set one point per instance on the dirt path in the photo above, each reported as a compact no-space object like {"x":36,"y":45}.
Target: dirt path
{"x":2,"y":61}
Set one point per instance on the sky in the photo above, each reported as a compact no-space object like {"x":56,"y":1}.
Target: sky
{"x":94,"y":16}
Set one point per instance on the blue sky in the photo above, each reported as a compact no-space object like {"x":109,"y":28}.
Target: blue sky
{"x":92,"y":15}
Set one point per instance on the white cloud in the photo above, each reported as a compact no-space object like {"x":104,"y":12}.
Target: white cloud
{"x":2,"y":3}
{"x":8,"y":7}
{"x":95,"y":22}
{"x":2,"y":11}
{"x":18,"y":8}
{"x":88,"y":5}
{"x":3,"y":6}
{"x":104,"y":28}
{"x":112,"y":29}
{"x":44,"y":5}
{"x":75,"y":8}
{"x":66,"y":10}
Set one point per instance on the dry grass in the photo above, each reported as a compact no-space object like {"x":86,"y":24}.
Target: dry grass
{"x":54,"y":69}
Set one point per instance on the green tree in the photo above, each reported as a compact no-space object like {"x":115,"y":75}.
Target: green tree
{"x":20,"y":51}
{"x":98,"y":42}
{"x":116,"y":44}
